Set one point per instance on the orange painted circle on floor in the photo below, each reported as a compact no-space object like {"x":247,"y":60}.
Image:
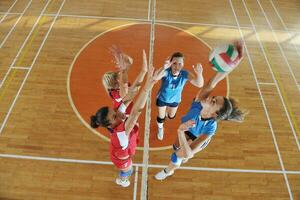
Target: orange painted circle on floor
{"x":88,"y":95}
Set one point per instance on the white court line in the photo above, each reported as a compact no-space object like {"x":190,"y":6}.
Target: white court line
{"x":33,"y":62}
{"x":278,"y":44}
{"x":144,"y":181}
{"x":273,"y":77}
{"x":135,"y":182}
{"x":261,"y":83}
{"x":14,"y":26}
{"x":11,"y":13}
{"x":261,"y":96}
{"x":146,"y":20}
{"x":23,"y":45}
{"x":21,"y":68}
{"x":209,"y":169}
{"x":284,"y":26}
{"x":98,"y":17}
{"x":293,"y":31}
{"x":8,"y":11}
{"x":149,"y":9}
{"x":78,"y":161}
{"x":202,"y":24}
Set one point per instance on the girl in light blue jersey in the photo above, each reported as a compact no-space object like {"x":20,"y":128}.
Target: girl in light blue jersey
{"x":172,"y":84}
{"x":200,"y":123}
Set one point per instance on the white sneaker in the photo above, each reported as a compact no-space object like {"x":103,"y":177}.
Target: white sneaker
{"x":123,"y":182}
{"x":160,"y":133}
{"x":163,"y":175}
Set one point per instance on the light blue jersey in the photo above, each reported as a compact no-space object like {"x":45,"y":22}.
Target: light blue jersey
{"x":207,"y":127}
{"x":171,"y":86}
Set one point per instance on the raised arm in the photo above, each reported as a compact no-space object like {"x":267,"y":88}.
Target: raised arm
{"x":122,"y":62}
{"x":211,"y":84}
{"x":138,"y":81}
{"x":198,"y":79}
{"x":208,"y":87}
{"x":162,"y":71}
{"x":123,"y":82}
{"x":132,"y":91}
{"x":141,"y":100}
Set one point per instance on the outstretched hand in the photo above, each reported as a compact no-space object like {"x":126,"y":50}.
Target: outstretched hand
{"x":156,"y":76}
{"x":117,"y":54}
{"x":240,"y":47}
{"x":198,"y":69}
{"x":168,"y":63}
{"x":121,"y":60}
{"x":152,"y":76}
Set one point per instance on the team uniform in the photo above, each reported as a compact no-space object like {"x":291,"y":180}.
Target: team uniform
{"x":117,"y":100}
{"x":120,"y":146}
{"x":202,"y":126}
{"x":171,"y":88}
{"x":118,"y":150}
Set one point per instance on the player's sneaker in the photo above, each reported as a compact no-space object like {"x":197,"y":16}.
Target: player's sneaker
{"x":123,"y":182}
{"x":163,"y":174}
{"x":160,"y":133}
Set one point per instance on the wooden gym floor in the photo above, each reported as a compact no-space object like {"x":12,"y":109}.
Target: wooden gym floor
{"x":47,"y":151}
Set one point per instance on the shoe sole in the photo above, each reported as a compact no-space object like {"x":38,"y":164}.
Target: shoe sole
{"x":164,"y":178}
{"x":122,"y":185}
{"x":160,"y":138}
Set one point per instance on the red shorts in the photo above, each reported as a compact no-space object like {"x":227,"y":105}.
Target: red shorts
{"x":121,"y":164}
{"x":116,"y":153}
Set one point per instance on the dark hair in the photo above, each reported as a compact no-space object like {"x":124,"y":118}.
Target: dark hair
{"x":230,"y":111}
{"x":100,"y":119}
{"x":176,"y":55}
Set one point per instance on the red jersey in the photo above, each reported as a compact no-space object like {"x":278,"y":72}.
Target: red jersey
{"x":117,"y":100}
{"x":115,"y":146}
{"x":116,"y":150}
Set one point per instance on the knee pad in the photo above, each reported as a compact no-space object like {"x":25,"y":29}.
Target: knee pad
{"x":172,"y":117}
{"x":160,"y":120}
{"x":126,"y":174}
{"x":176,"y":160}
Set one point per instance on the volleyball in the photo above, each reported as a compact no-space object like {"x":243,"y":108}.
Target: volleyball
{"x":224,"y":58}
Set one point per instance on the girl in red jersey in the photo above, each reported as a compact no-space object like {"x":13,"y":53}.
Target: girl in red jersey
{"x":116,"y":82}
{"x":124,"y":130}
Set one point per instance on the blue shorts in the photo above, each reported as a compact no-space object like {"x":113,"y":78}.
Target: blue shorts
{"x":160,"y":103}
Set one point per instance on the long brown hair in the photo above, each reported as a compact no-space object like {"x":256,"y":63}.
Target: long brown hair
{"x":230,"y":111}
{"x":100,"y":118}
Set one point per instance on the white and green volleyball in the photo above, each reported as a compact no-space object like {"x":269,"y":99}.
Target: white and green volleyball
{"x":224,"y":58}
